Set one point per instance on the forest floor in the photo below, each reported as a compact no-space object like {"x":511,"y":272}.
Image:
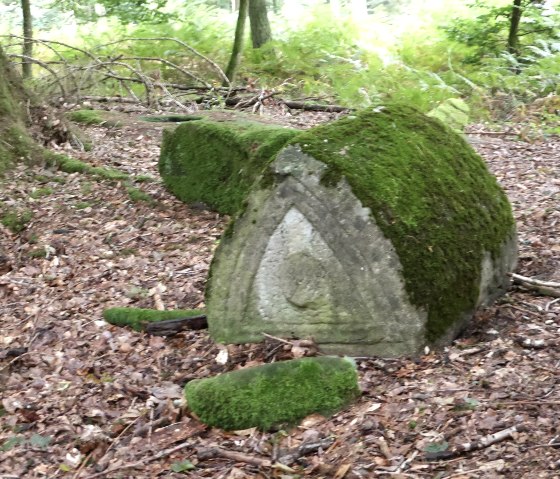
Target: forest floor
{"x":84,"y":399}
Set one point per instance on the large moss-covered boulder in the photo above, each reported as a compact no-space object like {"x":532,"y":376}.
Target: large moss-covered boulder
{"x":274,"y":394}
{"x":217,"y":162}
{"x":376,"y":234}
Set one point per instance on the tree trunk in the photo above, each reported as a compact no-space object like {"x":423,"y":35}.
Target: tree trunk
{"x":260,"y":26}
{"x":515,"y":20}
{"x":237,"y":49}
{"x":15,"y":142}
{"x":27,"y":38}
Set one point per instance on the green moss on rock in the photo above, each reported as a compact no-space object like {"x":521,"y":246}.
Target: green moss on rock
{"x":218,"y":162}
{"x":430,"y":194}
{"x":274,"y":394}
{"x":137,"y":317}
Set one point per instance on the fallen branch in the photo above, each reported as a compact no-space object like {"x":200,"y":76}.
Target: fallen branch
{"x":537,"y":343}
{"x":546,"y":288}
{"x":478,"y":444}
{"x":170,"y":327}
{"x":109,"y":99}
{"x":490,"y":439}
{"x":210,"y":453}
{"x":45,"y":66}
{"x":176,"y":40}
{"x":305,"y":106}
{"x":292,"y":455}
{"x":155,"y":457}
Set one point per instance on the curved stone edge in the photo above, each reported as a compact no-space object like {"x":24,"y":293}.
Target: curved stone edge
{"x":274,"y":394}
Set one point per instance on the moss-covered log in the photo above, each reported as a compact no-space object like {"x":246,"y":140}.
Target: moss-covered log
{"x":137,"y":318}
{"x":274,"y":394}
{"x":217,"y":162}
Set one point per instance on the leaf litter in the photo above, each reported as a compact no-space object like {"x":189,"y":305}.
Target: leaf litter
{"x":84,"y":399}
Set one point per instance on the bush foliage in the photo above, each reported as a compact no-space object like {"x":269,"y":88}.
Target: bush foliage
{"x":419,"y":54}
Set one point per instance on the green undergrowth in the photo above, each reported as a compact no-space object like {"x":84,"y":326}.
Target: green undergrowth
{"x":217,"y":162}
{"x":93,"y":117}
{"x":17,"y":146}
{"x":71,"y":165}
{"x":41,"y":192}
{"x":137,"y":317}
{"x":275,"y":394}
{"x":14,"y":219}
{"x":430,"y":194}
{"x":137,"y":195}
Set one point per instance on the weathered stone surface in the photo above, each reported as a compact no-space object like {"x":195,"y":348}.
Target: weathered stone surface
{"x":375,"y":235}
{"x":274,"y":394}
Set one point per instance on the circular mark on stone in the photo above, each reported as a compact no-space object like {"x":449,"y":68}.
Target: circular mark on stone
{"x":304,"y":281}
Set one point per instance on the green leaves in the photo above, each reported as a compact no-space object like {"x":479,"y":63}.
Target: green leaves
{"x":36,"y":441}
{"x":182,"y":466}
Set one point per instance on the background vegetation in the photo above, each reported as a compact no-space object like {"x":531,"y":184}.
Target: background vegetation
{"x":354,"y":53}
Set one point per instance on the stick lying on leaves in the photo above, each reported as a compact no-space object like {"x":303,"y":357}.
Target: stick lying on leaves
{"x":210,"y":453}
{"x":170,"y":327}
{"x":546,"y":288}
{"x":142,"y":462}
{"x":537,"y":343}
{"x":481,"y":443}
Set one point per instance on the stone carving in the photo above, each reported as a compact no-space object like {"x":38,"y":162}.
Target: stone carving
{"x":376,"y":234}
{"x":307,"y":260}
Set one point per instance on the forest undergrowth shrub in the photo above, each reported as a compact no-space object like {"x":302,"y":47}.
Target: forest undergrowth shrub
{"x":329,"y":59}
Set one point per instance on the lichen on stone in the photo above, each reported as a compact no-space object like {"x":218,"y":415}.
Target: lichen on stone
{"x":274,"y":394}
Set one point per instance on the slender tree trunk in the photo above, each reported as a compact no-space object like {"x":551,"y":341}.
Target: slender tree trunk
{"x":260,"y":26}
{"x":13,"y":115}
{"x":28,"y":38}
{"x":515,"y":20}
{"x":237,"y":49}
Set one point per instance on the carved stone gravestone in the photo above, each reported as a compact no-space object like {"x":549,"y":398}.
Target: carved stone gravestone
{"x":377,"y":234}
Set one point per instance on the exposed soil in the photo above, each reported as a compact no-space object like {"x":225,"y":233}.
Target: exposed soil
{"x":84,"y":399}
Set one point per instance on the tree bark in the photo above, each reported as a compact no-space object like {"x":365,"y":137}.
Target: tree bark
{"x":260,"y":26}
{"x":237,"y":49}
{"x":14,"y":140}
{"x":515,"y":20}
{"x":27,"y":38}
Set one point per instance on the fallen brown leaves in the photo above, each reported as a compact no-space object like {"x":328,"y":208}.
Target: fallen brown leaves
{"x":82,"y":399}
